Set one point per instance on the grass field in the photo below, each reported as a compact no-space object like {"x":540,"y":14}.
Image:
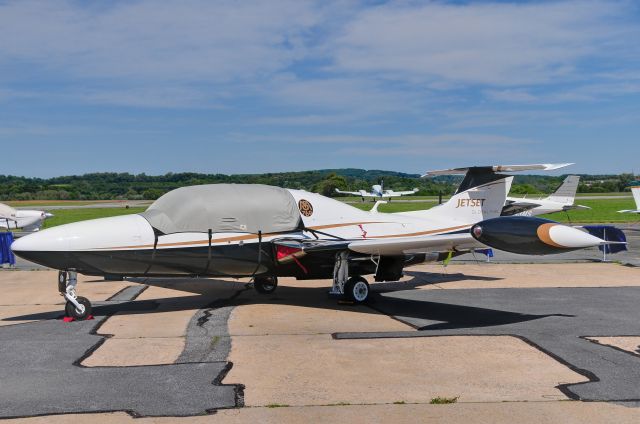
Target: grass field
{"x":602,"y":210}
{"x":66,"y":216}
{"x":35,"y":203}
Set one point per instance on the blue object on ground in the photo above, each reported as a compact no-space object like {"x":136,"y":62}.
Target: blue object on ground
{"x":487,"y":252}
{"x":6,"y":255}
{"x":608,"y":233}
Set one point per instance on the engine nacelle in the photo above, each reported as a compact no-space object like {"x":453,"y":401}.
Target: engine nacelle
{"x":531,"y":236}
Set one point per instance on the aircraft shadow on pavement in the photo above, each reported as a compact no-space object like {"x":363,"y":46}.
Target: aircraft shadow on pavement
{"x":211,"y":293}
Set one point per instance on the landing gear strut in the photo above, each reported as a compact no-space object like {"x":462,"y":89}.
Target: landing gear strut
{"x":265,"y":284}
{"x":356,"y":288}
{"x":77,"y":307}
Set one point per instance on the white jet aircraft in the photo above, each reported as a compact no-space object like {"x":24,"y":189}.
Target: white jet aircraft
{"x":635,"y":190}
{"x":560,"y":200}
{"x":13,"y":219}
{"x":378,"y":191}
{"x":265,"y":232}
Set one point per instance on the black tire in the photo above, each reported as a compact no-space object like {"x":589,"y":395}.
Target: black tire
{"x":356,"y":289}
{"x":265,"y":285}
{"x":71,"y":311}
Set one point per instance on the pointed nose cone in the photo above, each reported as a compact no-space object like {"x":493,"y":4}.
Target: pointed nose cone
{"x":54,"y":239}
{"x":68,"y":246}
{"x":45,"y":247}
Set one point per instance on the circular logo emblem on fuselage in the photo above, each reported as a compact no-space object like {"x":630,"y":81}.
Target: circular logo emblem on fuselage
{"x":305,"y":207}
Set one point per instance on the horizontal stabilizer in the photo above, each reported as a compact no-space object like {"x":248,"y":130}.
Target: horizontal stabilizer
{"x":515,"y":207}
{"x":498,"y":168}
{"x":572,"y":207}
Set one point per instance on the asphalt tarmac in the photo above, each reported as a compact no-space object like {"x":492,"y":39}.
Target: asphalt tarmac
{"x":557,"y":321}
{"x":41,"y":371}
{"x":41,"y":362}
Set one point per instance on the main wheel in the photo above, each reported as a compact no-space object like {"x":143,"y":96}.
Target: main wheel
{"x":73,"y":312}
{"x":265,"y":285}
{"x":356,"y":289}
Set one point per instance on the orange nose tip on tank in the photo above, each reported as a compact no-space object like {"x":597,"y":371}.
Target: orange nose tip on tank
{"x":531,"y":236}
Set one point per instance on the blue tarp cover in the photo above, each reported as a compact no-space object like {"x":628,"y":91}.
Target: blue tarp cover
{"x":608,"y":233}
{"x":487,"y":252}
{"x":6,"y":255}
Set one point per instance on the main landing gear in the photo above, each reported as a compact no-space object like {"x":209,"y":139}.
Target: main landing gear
{"x":77,"y":307}
{"x":356,"y":288}
{"x":265,"y":284}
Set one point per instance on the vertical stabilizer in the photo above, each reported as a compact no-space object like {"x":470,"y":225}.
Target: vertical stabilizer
{"x":566,"y":193}
{"x":475,"y":204}
{"x":635,"y":190}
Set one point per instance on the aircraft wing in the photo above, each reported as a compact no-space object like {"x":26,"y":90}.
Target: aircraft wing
{"x":571,"y":207}
{"x":417,"y":244}
{"x":499,"y":168}
{"x":356,"y":193}
{"x":514,"y":207}
{"x":400,"y":193}
{"x":384,"y":246}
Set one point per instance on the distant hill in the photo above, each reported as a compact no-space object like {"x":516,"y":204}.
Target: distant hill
{"x":371,"y":174}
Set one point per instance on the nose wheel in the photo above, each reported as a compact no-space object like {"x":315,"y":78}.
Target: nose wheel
{"x":77,"y":307}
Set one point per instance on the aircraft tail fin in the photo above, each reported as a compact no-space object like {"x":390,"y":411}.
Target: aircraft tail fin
{"x":635,"y":190}
{"x":478,"y":203}
{"x":566,"y":193}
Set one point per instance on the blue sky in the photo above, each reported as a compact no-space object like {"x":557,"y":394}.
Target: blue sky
{"x":284,"y":85}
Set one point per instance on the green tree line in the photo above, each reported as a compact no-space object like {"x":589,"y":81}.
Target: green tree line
{"x":113,"y":186}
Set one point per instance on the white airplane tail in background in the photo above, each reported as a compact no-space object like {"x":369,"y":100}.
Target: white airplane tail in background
{"x":566,"y":193}
{"x":635,"y":190}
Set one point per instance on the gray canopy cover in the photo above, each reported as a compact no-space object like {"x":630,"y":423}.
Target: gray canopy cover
{"x":224,"y":208}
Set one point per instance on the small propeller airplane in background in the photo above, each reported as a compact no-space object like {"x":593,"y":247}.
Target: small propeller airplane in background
{"x":378,"y":191}
{"x":27,"y":220}
{"x":635,"y":190}
{"x":265,"y":232}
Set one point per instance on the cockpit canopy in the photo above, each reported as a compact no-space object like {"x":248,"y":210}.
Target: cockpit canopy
{"x":225,"y":208}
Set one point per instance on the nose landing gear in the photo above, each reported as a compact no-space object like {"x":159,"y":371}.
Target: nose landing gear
{"x":77,"y":307}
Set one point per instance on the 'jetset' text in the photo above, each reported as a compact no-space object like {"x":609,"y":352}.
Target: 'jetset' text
{"x":470,"y":203}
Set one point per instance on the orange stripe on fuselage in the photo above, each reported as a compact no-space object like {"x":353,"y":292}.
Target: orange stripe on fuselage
{"x":317,"y":227}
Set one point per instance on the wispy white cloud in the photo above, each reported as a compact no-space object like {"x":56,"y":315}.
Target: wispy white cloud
{"x":394,"y":142}
{"x":483,"y":43}
{"x":404,"y":80}
{"x":190,"y":40}
{"x":324,"y":57}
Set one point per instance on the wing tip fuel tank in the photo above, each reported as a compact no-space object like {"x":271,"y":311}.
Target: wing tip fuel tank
{"x":532,"y":236}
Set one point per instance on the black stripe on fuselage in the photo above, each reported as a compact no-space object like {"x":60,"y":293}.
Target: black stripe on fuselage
{"x":227,"y":260}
